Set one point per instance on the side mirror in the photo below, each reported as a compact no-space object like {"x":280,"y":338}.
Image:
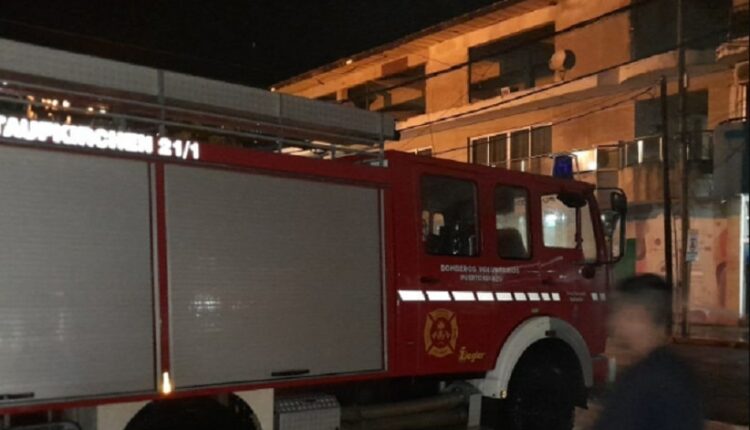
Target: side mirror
{"x":614,"y":208}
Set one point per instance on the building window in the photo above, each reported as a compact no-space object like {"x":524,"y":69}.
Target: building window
{"x":400,"y":94}
{"x":653,"y":28}
{"x":449,"y":216}
{"x":521,"y":150}
{"x":511,"y":64}
{"x":511,"y":222}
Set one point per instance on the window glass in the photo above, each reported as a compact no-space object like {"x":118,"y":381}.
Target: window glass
{"x":511,"y":64}
{"x":587,"y":234}
{"x":519,"y":144}
{"x":479,"y":152}
{"x":559,"y":227}
{"x":541,"y":140}
{"x":449,"y":216}
{"x":558,"y":223}
{"x":511,"y":222}
{"x":499,"y":149}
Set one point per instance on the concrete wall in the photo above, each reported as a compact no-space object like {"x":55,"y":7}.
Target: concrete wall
{"x":714,"y":280}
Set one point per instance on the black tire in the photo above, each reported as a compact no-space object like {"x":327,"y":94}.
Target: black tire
{"x":188,"y":414}
{"x":540,"y":397}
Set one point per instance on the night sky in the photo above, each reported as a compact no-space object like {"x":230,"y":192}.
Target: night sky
{"x":255,"y":42}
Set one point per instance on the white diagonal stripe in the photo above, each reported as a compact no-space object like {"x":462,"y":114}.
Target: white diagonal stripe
{"x":485,"y":296}
{"x":520,"y":297}
{"x":594,"y":297}
{"x":411,"y":295}
{"x":556,"y":297}
{"x":438,"y":296}
{"x":546,"y":297}
{"x":534,"y":297}
{"x":504,"y":297}
{"x":463,"y":296}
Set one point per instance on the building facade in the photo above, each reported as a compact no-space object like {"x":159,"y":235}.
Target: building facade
{"x":513,"y":83}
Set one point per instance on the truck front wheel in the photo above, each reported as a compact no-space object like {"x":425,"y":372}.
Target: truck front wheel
{"x":200,"y":413}
{"x":540,"y":397}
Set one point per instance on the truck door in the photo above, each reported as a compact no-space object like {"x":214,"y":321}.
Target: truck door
{"x":459,"y":272}
{"x":570,"y":255}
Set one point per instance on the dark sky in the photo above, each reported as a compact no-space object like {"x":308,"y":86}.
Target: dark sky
{"x":255,"y":42}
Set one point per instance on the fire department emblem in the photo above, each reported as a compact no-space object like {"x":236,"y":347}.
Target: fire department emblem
{"x":440,"y":333}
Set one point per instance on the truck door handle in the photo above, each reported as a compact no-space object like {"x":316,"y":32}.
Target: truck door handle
{"x":429,"y":280}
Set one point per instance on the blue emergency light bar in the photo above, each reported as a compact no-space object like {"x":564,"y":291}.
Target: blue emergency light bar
{"x":562,"y":166}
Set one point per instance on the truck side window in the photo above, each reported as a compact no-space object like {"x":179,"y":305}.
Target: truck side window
{"x":449,"y":216}
{"x":511,"y":222}
{"x":560,"y":227}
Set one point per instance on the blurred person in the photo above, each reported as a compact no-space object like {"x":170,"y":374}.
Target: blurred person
{"x":658,"y":391}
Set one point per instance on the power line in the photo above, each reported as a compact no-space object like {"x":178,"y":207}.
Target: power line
{"x":572,"y":118}
{"x":579,"y":25}
{"x":559,"y":84}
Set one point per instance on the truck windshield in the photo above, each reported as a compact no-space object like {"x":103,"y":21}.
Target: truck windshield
{"x":566,"y":227}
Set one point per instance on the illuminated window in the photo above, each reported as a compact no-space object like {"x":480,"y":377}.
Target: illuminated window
{"x":559,"y":226}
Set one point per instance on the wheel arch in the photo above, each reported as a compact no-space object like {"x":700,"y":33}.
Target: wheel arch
{"x":530,"y":332}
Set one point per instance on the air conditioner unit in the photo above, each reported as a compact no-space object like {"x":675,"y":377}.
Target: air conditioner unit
{"x":740,"y":73}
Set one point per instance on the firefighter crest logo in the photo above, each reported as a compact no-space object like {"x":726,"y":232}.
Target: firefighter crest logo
{"x":440,"y":333}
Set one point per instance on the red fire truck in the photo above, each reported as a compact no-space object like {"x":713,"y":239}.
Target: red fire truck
{"x":157,"y":274}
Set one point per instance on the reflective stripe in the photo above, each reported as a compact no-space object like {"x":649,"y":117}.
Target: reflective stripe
{"x":546,"y":297}
{"x":504,"y":297}
{"x":463,"y":296}
{"x":594,"y":297}
{"x":534,"y":297}
{"x":485,"y":296}
{"x":438,"y":296}
{"x":520,"y":297}
{"x":411,"y":295}
{"x":602,"y":296}
{"x":556,"y":297}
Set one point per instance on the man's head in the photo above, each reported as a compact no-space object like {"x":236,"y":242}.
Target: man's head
{"x":642,"y":313}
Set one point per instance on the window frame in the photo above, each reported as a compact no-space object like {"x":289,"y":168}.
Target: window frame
{"x":508,"y":162}
{"x":579,"y":247}
{"x":477,"y":214}
{"x":529,"y":230}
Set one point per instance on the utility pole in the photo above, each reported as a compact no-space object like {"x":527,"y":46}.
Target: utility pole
{"x":685,"y":176}
{"x":668,"y":252}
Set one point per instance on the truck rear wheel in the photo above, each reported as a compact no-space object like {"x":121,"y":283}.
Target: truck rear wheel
{"x":540,"y":397}
{"x":200,"y":413}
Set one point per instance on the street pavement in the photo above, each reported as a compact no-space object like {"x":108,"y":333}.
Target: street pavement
{"x":722,"y":373}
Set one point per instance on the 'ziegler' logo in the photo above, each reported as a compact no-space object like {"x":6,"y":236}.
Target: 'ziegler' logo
{"x":440,"y":333}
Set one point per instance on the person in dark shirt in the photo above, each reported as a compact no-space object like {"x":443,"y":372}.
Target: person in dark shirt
{"x":658,"y":391}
